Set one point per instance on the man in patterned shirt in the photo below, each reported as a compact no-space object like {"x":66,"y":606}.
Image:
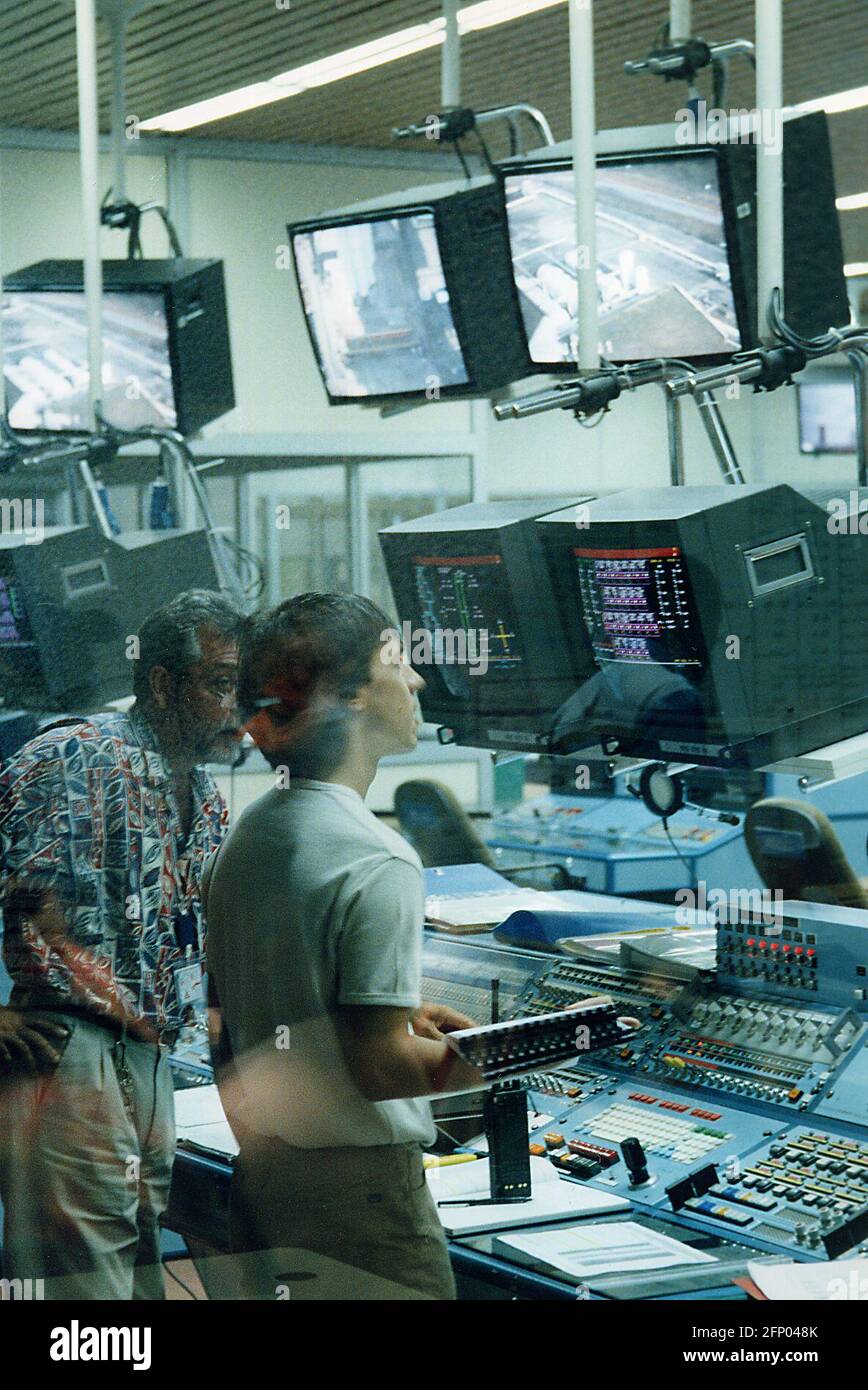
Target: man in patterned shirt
{"x":105,"y":824}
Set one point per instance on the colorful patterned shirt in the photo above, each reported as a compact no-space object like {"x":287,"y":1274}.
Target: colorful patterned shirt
{"x":88,"y":812}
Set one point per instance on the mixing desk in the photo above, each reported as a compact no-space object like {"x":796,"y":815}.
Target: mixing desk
{"x":736,"y":1115}
{"x":717,"y":1086}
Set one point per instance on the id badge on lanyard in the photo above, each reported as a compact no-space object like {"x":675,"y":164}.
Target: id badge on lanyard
{"x":189,"y":985}
{"x":188,"y":975}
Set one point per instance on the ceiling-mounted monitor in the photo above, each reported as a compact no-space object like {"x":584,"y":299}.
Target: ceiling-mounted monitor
{"x":410,"y":297}
{"x":664,"y":277}
{"x":676,"y":249}
{"x":166,"y":354}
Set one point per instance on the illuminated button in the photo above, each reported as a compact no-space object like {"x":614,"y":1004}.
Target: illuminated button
{"x":553,"y":1141}
{"x":538,"y":1150}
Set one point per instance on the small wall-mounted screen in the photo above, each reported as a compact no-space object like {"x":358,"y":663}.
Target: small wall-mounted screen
{"x":827,"y":416}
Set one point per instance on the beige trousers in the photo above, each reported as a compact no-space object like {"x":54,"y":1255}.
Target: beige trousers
{"x":367,"y":1208}
{"x":84,"y":1174}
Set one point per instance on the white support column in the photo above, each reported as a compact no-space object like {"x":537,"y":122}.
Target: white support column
{"x":770,"y":157}
{"x":584,"y":117}
{"x":116,"y":22}
{"x":450,"y":73}
{"x":680,"y":20}
{"x":2,"y":357}
{"x":480,"y":414}
{"x":85,"y":32}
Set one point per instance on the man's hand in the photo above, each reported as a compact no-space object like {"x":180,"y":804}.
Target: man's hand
{"x":433,"y":1020}
{"x":29,"y":1043}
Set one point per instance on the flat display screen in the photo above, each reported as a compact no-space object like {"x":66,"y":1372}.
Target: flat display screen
{"x":378,"y":309}
{"x":638,"y":607}
{"x":663,"y":272}
{"x":15,"y":630}
{"x":467,"y":610}
{"x":46,"y":365}
{"x":827,"y":417}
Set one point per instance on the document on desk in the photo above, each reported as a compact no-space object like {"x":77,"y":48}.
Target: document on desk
{"x":473,"y":911}
{"x":553,"y":1198}
{"x":199,"y":1118}
{"x":594,"y":1249}
{"x":819,"y":1281}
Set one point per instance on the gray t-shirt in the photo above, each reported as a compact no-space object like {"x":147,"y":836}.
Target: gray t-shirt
{"x":312,"y":904}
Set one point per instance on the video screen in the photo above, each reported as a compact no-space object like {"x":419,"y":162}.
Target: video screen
{"x":15,"y":630}
{"x":466,"y":609}
{"x":827,"y":417}
{"x":378,"y":308}
{"x":638,"y":607}
{"x":46,"y":367}
{"x":663,"y":273}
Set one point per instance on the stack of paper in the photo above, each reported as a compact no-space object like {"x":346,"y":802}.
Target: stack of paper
{"x":553,"y":1198}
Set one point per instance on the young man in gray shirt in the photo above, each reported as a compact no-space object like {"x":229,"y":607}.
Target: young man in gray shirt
{"x":315,"y":910}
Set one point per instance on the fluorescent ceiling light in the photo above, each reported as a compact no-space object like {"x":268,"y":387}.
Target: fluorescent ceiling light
{"x":401,"y":44}
{"x":215,"y":108}
{"x":851,"y":202}
{"x":856,"y":269}
{"x":361,"y":59}
{"x":490,"y":12}
{"x":839,"y":101}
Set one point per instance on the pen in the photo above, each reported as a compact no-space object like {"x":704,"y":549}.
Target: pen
{"x":432,"y":1160}
{"x":482,"y":1201}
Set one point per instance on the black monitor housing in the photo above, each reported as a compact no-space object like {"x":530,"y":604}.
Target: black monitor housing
{"x":70,"y":604}
{"x":410,"y":297}
{"x":476,"y":609}
{"x":727,"y":624}
{"x":166,"y":352}
{"x":677,"y":248}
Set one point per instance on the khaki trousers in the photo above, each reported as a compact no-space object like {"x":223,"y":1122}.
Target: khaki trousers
{"x":367,"y":1208}
{"x":84,"y":1173}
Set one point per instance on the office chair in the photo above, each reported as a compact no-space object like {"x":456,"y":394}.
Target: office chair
{"x":432,"y":818}
{"x":795,"y":850}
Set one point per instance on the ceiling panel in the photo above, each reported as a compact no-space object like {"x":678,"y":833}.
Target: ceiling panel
{"x":186,"y":50}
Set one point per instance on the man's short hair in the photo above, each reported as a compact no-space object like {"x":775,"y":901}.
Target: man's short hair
{"x":312,"y":652}
{"x":169,"y":636}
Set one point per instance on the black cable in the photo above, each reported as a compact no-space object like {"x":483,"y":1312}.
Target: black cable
{"x":458,"y":150}
{"x":485,"y":153}
{"x":172,"y":1275}
{"x":685,"y":862}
